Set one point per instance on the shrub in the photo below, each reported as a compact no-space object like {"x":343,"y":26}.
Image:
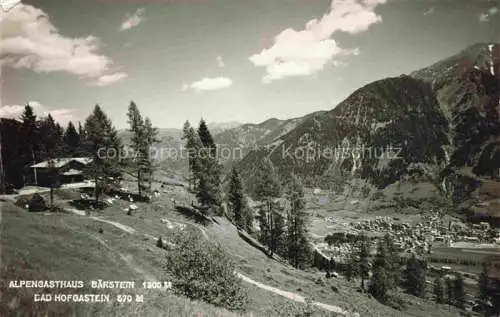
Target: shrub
{"x":301,"y":310}
{"x":204,"y":271}
{"x":37,"y":203}
{"x":22,"y":202}
{"x":159,"y":243}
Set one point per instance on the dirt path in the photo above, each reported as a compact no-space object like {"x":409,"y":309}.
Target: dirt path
{"x":290,"y":295}
{"x":294,"y":296}
{"x":116,"y":224}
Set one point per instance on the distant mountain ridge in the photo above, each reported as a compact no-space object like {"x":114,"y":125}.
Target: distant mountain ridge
{"x":443,"y":118}
{"x":247,"y":137}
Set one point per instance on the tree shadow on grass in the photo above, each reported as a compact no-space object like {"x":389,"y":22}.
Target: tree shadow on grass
{"x":193,"y":214}
{"x":87,"y":204}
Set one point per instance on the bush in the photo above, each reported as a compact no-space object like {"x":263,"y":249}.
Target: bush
{"x":22,"y":202}
{"x":204,"y":271}
{"x":37,"y":203}
{"x":301,"y":310}
{"x":159,"y":243}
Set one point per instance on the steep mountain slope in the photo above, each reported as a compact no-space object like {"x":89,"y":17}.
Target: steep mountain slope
{"x":375,"y":134}
{"x":242,"y":139}
{"x":468,"y":88}
{"x":425,"y":127}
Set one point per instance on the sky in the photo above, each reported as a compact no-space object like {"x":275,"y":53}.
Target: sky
{"x":223,"y":60}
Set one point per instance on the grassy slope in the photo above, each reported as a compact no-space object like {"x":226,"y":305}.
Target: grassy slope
{"x":67,"y":246}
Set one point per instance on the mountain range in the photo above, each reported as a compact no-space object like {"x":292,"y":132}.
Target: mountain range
{"x":438,"y":127}
{"x":431,"y":135}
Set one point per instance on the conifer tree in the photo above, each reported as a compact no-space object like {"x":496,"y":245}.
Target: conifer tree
{"x":450,"y":290}
{"x":102,"y":141}
{"x":208,"y":170}
{"x":438,"y":290}
{"x":458,"y":291}
{"x":352,"y":267}
{"x":50,"y":137}
{"x":150,"y":135}
{"x":11,"y":157}
{"x":278,"y":233}
{"x":264,"y":226}
{"x":364,"y":259}
{"x":207,"y":139}
{"x":193,"y":148}
{"x":381,"y":282}
{"x":298,"y":246}
{"x":81,"y":131}
{"x":138,"y":142}
{"x":71,"y":140}
{"x":237,"y":200}
{"x":393,"y":261}
{"x":267,"y":189}
{"x":483,"y":294}
{"x":415,"y":276}
{"x":30,"y":137}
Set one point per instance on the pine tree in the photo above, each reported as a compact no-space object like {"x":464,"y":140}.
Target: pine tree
{"x":138,"y":142}
{"x":102,"y":140}
{"x":237,"y":200}
{"x":352,"y":267}
{"x":450,"y":290}
{"x":393,"y":261}
{"x":438,"y":290}
{"x":267,"y":186}
{"x":81,"y":132}
{"x":208,"y":171}
{"x":51,"y":138}
{"x":151,"y":134}
{"x":381,"y":280}
{"x":11,"y":157}
{"x":364,"y":259}
{"x":458,"y":291}
{"x":71,"y":140}
{"x":298,"y":246}
{"x":415,"y":276}
{"x":207,"y":139}
{"x":278,"y":233}
{"x":264,"y":226}
{"x":30,"y":137}
{"x":193,"y":147}
{"x":483,"y":294}
{"x":267,"y":189}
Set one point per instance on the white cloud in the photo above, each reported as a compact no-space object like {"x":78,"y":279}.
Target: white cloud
{"x":485,"y":17}
{"x":106,"y":80}
{"x":220,"y":61}
{"x":132,"y":20}
{"x":304,"y":52}
{"x":209,"y":84}
{"x":29,"y":40}
{"x":62,"y":115}
{"x":430,"y":11}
